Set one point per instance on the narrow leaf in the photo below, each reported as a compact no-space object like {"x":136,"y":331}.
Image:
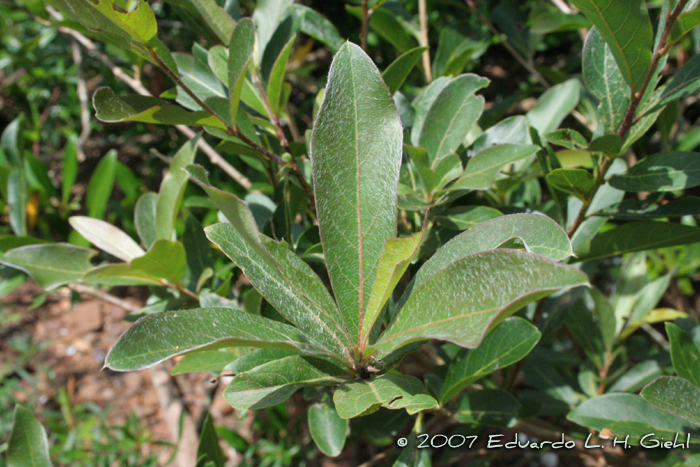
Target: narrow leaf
{"x":99,"y":190}
{"x":466,"y":217}
{"x":240,"y":54}
{"x":357,"y":128}
{"x":509,"y":342}
{"x":483,"y":167}
{"x":457,"y":303}
{"x":491,"y":407}
{"x":277,"y":74}
{"x":328,"y":430}
{"x":665,"y":171}
{"x":212,"y":361}
{"x":172,"y":188}
{"x":684,"y":354}
{"x":145,"y":218}
{"x":216,"y":19}
{"x":209,"y":449}
{"x":160,"y":336}
{"x":273,"y":382}
{"x":106,"y":237}
{"x":396,"y":73}
{"x":28,"y":445}
{"x":316,"y":25}
{"x":69,"y":169}
{"x":51,"y":265}
{"x":626,"y":27}
{"x":362,"y":397}
{"x":676,"y":396}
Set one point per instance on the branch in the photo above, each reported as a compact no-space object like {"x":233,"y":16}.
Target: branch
{"x":423,"y":17}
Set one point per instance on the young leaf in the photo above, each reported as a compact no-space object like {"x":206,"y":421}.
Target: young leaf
{"x":273,"y":382}
{"x":136,"y":108}
{"x":160,"y":336}
{"x":605,"y":81}
{"x":362,"y":397}
{"x":676,"y":396}
{"x":358,"y":128}
{"x":165,"y":259}
{"x":106,"y":237}
{"x":145,"y":218}
{"x":684,"y":354}
{"x":209,"y":449}
{"x":328,"y":430}
{"x":509,"y":342}
{"x":576,"y":182}
{"x":51,"y":265}
{"x":483,"y":167}
{"x":627,"y":414}
{"x":451,"y":115}
{"x":626,"y":27}
{"x":665,"y":171}
{"x":554,"y":105}
{"x":172,"y":188}
{"x":396,"y":73}
{"x":277,"y":74}
{"x":28,"y":445}
{"x":292,"y":287}
{"x":240,"y":54}
{"x":457,"y":303}
{"x":637,"y":236}
{"x":492,"y":407}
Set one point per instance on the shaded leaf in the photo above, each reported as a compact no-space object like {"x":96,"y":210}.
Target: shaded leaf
{"x":554,"y":105}
{"x":576,"y":182}
{"x":240,"y":54}
{"x":277,"y":74}
{"x":28,"y":445}
{"x":397,"y":72}
{"x":212,"y":361}
{"x":209,"y":449}
{"x":676,"y":396}
{"x":51,"y":265}
{"x":665,"y":171}
{"x":466,"y":217}
{"x":315,"y":25}
{"x":171,"y":189}
{"x":491,"y":407}
{"x":483,"y":167}
{"x":684,"y":354}
{"x":684,"y":82}
{"x":328,"y":430}
{"x":99,"y":189}
{"x":145,"y":218}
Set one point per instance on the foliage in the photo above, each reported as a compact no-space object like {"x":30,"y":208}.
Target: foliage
{"x":392,"y":212}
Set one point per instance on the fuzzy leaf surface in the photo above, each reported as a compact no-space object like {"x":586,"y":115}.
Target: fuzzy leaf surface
{"x":28,"y":445}
{"x":51,"y":265}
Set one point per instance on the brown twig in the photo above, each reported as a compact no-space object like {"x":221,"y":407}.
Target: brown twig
{"x":423,"y":18}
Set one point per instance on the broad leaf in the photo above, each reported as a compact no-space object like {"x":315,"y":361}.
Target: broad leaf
{"x":632,"y":209}
{"x":605,"y":81}
{"x":396,"y":258}
{"x":50,"y":265}
{"x":315,"y":25}
{"x":627,"y":414}
{"x":328,"y":430}
{"x":136,"y":108}
{"x":665,"y":171}
{"x":362,"y":397}
{"x":240,"y":55}
{"x":676,"y":396}
{"x":216,"y":18}
{"x":172,"y":188}
{"x":626,"y":27}
{"x":106,"y":237}
{"x":274,"y":382}
{"x":451,"y":115}
{"x":509,"y":342}
{"x":165,"y":259}
{"x":466,"y":217}
{"x":292,"y":288}
{"x":357,"y":128}
{"x":268,"y":14}
{"x":209,"y":449}
{"x":396,"y":73}
{"x":576,"y":182}
{"x":684,"y":354}
{"x":483,"y":167}
{"x":491,"y":407}
{"x":212,"y":361}
{"x":458,"y":304}
{"x":28,"y":445}
{"x":160,"y":336}
{"x":197,"y":76}
{"x":145,"y":218}
{"x":687,"y":20}
{"x":422,"y":104}
{"x":554,"y":105}
{"x":257,"y":357}
{"x":637,"y":236}
{"x":566,"y":137}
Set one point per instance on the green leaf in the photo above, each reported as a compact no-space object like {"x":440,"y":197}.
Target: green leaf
{"x":119,"y":274}
{"x":106,"y":237}
{"x":136,"y":108}
{"x":256,"y":358}
{"x":626,"y":28}
{"x":492,"y":407}
{"x":160,"y":336}
{"x":684,"y":82}
{"x":28,"y":445}
{"x":509,"y":342}
{"x":605,"y":317}
{"x":567,"y":138}
{"x":685,"y":23}
{"x":605,"y":81}
{"x":357,"y":127}
{"x":69,"y":169}
{"x":145,"y":218}
{"x":684,"y":354}
{"x":389,"y":27}
{"x":198,"y":251}
{"x":483,"y":167}
{"x":99,"y":190}
{"x":554,"y":105}
{"x":362,"y":397}
{"x":576,"y":182}
{"x":608,"y":144}
{"x":240,"y":54}
{"x":328,"y":430}
{"x":209,"y":449}
{"x":292,"y":287}
{"x":51,"y":265}
{"x":17,"y":189}
{"x":277,"y":74}
{"x":676,"y":396}
{"x":315,"y":25}
{"x":451,"y":116}
{"x":627,"y":414}
{"x":216,"y":19}
{"x":396,"y":73}
{"x":422,"y":104}
{"x":636,"y":378}
{"x":268,"y":14}
{"x":395,"y":259}
{"x":171,"y":189}
{"x":165,"y":259}
{"x":212,"y":361}
{"x":457,"y":303}
{"x":411,"y":456}
{"x":197,"y":76}
{"x":273,"y":382}
{"x":10,"y":242}
{"x":466,"y":217}
{"x":637,"y":236}
{"x":665,"y":171}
